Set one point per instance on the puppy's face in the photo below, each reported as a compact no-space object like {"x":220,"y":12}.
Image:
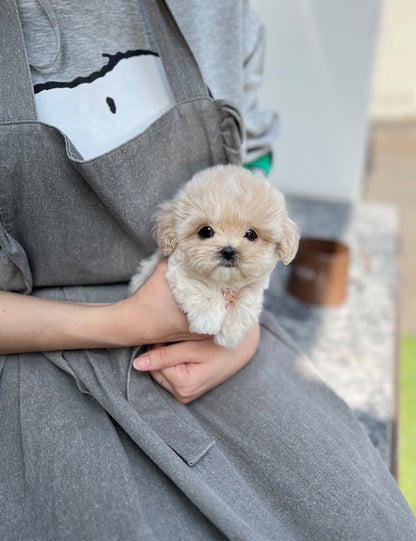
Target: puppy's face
{"x":228,"y":227}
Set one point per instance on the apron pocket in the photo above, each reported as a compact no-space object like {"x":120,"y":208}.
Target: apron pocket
{"x":149,"y":414}
{"x":170,"y":419}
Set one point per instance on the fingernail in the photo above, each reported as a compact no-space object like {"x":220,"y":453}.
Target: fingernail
{"x":142,"y":362}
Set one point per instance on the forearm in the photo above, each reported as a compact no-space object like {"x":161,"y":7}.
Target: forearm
{"x":37,"y":324}
{"x":149,"y":316}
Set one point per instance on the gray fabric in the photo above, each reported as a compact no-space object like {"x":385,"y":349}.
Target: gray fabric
{"x":231,"y":61}
{"x":14,"y":267}
{"x":124,"y":460}
{"x":12,"y":43}
{"x":91,"y":449}
{"x":115,"y":26}
{"x":232,"y":72}
{"x":87,"y":222}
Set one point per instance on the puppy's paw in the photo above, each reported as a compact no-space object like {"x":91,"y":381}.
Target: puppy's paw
{"x":136,"y":281}
{"x":234,"y":330}
{"x":204,"y":323}
{"x":228,"y":340}
{"x":144,"y":271}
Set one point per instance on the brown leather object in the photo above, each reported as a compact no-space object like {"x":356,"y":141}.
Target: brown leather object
{"x":320,"y":272}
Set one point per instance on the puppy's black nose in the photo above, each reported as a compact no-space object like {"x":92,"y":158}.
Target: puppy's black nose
{"x":228,"y":253}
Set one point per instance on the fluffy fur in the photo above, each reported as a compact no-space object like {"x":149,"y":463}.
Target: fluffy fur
{"x":233,"y":203}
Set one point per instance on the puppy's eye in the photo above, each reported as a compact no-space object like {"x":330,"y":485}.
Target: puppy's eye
{"x":250,"y":235}
{"x":206,"y":232}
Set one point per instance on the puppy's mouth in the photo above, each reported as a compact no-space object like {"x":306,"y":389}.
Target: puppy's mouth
{"x":228,"y":257}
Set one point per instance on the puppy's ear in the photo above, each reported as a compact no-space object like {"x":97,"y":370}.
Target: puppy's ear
{"x":289,"y":242}
{"x":165,"y":228}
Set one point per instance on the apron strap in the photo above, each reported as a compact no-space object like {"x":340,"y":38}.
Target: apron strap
{"x":16,"y":89}
{"x":182,"y":71}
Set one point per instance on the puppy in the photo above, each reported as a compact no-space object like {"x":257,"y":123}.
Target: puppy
{"x":223,"y":234}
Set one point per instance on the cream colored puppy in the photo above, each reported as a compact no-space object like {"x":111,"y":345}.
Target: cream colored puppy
{"x":223,"y":234}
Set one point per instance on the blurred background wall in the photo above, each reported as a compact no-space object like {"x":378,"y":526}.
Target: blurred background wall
{"x":394,"y":86}
{"x":330,"y":66}
{"x":342,"y":76}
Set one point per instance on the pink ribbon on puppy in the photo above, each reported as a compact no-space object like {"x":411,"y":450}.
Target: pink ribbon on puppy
{"x":230,"y":296}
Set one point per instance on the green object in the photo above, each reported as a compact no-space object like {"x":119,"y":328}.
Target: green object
{"x":407,"y":419}
{"x":264,"y":162}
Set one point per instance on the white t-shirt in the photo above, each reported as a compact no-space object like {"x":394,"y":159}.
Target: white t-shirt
{"x":107,"y":84}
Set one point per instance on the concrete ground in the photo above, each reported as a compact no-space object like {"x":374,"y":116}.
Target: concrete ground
{"x":391,"y":179}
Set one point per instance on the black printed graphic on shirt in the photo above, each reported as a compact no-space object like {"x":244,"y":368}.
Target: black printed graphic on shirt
{"x":103,"y":109}
{"x":113,"y":60}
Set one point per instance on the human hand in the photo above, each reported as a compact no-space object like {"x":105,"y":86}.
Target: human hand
{"x":191,"y":368}
{"x":151,"y":314}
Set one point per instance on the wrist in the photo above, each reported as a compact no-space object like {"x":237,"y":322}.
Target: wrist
{"x":91,"y":327}
{"x":66,"y":325}
{"x":122,"y":324}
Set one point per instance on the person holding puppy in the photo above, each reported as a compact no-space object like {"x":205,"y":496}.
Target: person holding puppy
{"x":93,"y":448}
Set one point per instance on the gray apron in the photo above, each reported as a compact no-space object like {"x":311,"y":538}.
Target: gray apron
{"x":67,"y":221}
{"x":91,"y":449}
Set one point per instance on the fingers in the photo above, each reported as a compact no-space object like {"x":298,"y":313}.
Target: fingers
{"x":185,"y":381}
{"x":189,"y":369}
{"x":164,"y":357}
{"x":182,"y":368}
{"x":160,"y":378}
{"x":154,"y":307}
{"x":180,"y":381}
